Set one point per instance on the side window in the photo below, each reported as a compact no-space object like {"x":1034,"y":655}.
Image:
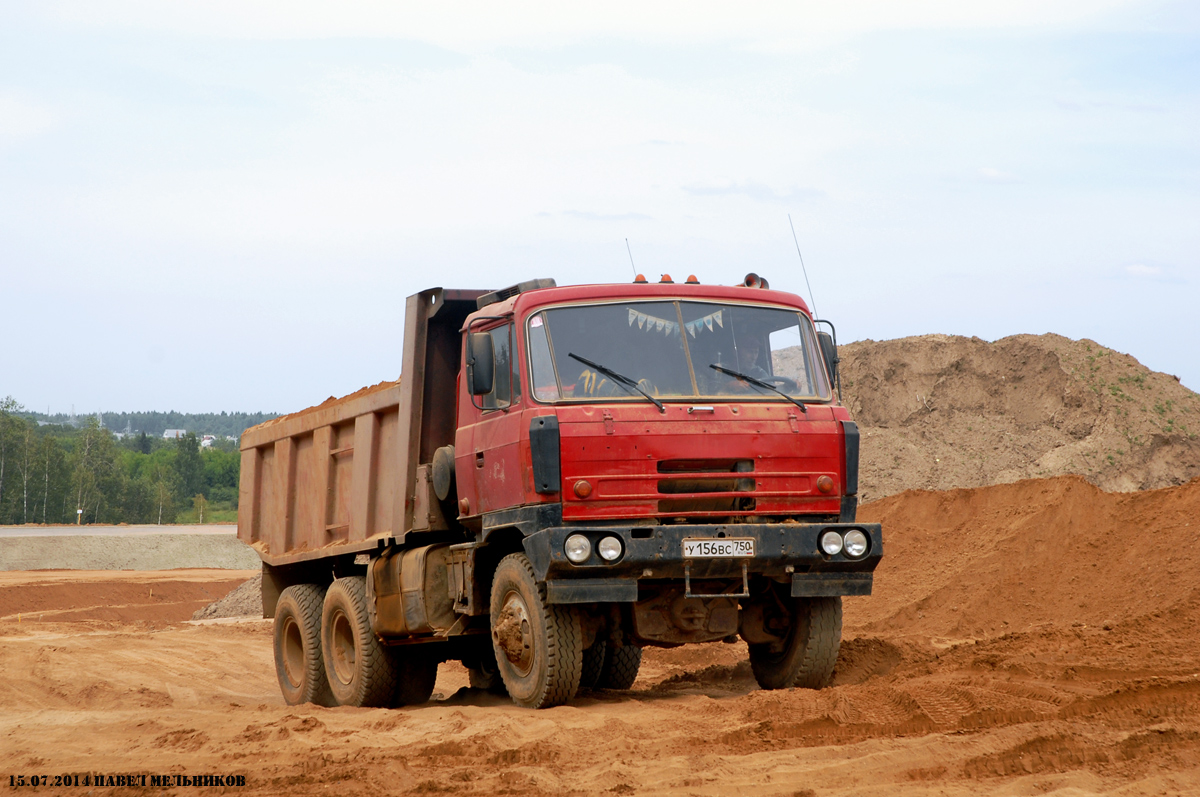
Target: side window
{"x":541,"y":365}
{"x":506,"y":390}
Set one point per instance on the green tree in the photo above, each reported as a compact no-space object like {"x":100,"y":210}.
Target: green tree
{"x":10,"y":430}
{"x":199,"y":504}
{"x":94,"y":472}
{"x":189,"y":468}
{"x":55,"y":477}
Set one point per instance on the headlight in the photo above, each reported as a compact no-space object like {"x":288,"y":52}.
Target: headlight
{"x":609,"y":549}
{"x":831,"y":543}
{"x":577,"y":548}
{"x":856,"y":543}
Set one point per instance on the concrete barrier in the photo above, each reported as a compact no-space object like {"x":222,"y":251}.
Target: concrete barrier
{"x":124,"y":548}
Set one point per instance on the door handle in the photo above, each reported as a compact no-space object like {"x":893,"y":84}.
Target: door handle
{"x":479,"y":459}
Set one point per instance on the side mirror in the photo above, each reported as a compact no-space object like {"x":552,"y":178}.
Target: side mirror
{"x":830,"y":355}
{"x":481,"y":363}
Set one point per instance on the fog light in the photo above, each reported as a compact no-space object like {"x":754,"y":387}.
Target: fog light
{"x":831,"y":543}
{"x":609,"y":549}
{"x":824,"y":485}
{"x":577,"y":548}
{"x":856,"y":543}
{"x":583,"y":488}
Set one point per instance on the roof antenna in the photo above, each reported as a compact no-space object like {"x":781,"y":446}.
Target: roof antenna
{"x":805,"y":270}
{"x":630,"y":251}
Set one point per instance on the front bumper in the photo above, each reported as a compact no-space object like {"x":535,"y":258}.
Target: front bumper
{"x":655,"y":553}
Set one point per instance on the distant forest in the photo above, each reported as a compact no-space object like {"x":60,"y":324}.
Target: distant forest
{"x":225,"y":424}
{"x":77,"y":470}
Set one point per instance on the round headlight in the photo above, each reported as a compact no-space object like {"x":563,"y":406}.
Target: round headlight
{"x":831,"y":543}
{"x":577,"y":548}
{"x":856,"y":543}
{"x":609,"y":549}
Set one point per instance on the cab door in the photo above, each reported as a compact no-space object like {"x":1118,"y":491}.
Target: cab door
{"x":487,"y":449}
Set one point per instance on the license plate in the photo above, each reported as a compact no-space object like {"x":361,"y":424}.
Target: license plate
{"x":718,"y":549}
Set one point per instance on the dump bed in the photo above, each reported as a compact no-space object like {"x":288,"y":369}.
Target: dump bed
{"x":321,"y":478}
{"x":345,"y":476}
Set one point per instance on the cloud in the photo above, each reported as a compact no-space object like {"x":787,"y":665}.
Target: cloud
{"x":993,"y":175}
{"x":590,"y":216}
{"x":21,"y":119}
{"x":474,"y":24}
{"x":1143,"y":270}
{"x":755,"y":191}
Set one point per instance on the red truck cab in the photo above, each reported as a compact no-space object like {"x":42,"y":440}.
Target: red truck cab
{"x":673,"y":460}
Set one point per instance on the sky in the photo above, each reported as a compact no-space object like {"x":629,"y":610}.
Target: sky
{"x":222,"y":206}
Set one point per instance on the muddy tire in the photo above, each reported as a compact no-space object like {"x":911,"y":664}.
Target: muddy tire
{"x":807,"y":655}
{"x":415,"y":673}
{"x":593,"y":664}
{"x":538,"y":646}
{"x":606,"y":666}
{"x":360,"y":671}
{"x":621,"y":667}
{"x":299,"y":664}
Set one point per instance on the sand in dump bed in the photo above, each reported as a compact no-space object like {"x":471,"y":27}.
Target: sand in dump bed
{"x":1040,"y":637}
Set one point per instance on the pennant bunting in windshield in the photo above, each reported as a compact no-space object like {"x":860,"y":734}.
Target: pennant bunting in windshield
{"x":705,"y":323}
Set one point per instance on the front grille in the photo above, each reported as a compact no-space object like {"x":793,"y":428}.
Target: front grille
{"x":706,"y":466}
{"x":705,"y":485}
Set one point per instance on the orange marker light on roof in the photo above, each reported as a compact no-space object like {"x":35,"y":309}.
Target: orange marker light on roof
{"x":639,"y":278}
{"x":667,"y":279}
{"x":691,"y":280}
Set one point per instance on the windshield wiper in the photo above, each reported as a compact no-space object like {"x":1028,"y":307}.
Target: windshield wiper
{"x":620,"y":379}
{"x":758,"y":383}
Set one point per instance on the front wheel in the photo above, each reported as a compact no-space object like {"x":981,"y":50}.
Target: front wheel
{"x":606,"y":666}
{"x":538,"y":646}
{"x":807,"y":654}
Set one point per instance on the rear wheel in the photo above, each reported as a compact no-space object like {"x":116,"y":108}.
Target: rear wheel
{"x":538,"y":646}
{"x":807,"y":654}
{"x":361,"y":671}
{"x":299,"y":664}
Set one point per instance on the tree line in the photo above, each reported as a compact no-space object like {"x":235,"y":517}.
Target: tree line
{"x":224,"y":424}
{"x":48,"y":473}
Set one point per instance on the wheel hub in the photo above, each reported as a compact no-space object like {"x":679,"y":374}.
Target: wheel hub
{"x":343,"y":648}
{"x":293,"y":652}
{"x":513,"y":633}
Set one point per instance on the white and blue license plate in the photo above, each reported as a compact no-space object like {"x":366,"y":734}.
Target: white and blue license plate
{"x":731,"y":548}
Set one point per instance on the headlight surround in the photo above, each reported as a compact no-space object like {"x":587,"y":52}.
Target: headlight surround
{"x":831,"y":543}
{"x":609,"y":549}
{"x":577,"y":548}
{"x":856,"y":543}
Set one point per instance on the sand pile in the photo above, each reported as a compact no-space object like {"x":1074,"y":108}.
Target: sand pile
{"x":939,"y":412}
{"x":1034,"y":554}
{"x":244,"y":601}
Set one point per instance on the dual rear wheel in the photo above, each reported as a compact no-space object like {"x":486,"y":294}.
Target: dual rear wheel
{"x":326,"y":653}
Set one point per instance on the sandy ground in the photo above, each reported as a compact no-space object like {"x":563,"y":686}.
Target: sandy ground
{"x":1033,"y":638}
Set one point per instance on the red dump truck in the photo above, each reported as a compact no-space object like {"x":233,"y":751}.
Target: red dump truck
{"x":561,"y":477}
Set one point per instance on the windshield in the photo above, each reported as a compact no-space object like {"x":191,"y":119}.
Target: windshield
{"x":668,"y":348}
